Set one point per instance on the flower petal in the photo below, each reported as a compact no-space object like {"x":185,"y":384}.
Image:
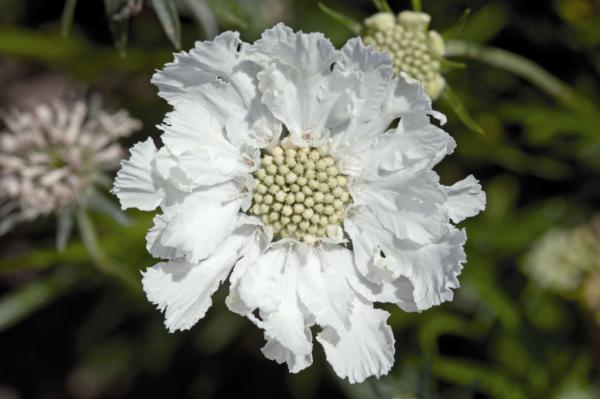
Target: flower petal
{"x":298,"y":85}
{"x":203,"y":219}
{"x":218,"y":76}
{"x":273,"y":350}
{"x":325,"y":293}
{"x":203,"y":64}
{"x":270,"y":285}
{"x":433,"y":268}
{"x":183,"y":289}
{"x":410,"y":206}
{"x":370,"y":71}
{"x":135,"y":185}
{"x":365,"y":349}
{"x":465,"y":199}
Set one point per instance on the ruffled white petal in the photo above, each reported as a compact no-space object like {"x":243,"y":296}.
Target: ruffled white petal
{"x":219,"y":77}
{"x":298,"y":84}
{"x":365,"y":349}
{"x":370,"y":72}
{"x":410,"y":206}
{"x":271,"y":285}
{"x":433,"y":269}
{"x":135,"y":185}
{"x":181,"y":78}
{"x":325,"y":293}
{"x":154,"y":239}
{"x":465,"y":199}
{"x":369,"y":239}
{"x":183,"y":289}
{"x":273,"y":350}
{"x":203,"y":219}
{"x":414,"y":145}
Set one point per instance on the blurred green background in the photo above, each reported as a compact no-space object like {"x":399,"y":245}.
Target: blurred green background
{"x":70,"y":329}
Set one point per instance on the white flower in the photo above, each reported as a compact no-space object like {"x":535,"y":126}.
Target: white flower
{"x":53,"y":153}
{"x":303,"y":174}
{"x":414,"y":48}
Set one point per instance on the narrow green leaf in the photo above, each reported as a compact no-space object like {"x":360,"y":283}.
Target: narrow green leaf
{"x":349,"y":23}
{"x":457,"y":106}
{"x":64,"y":228}
{"x":456,"y":29}
{"x":169,"y":18}
{"x":10,"y":221}
{"x":524,"y":68}
{"x":229,"y":13}
{"x":97,"y":201}
{"x":452,"y":64}
{"x":119,"y":27}
{"x":382,"y":5}
{"x":88,"y":236}
{"x":105,"y":265}
{"x":66,"y":20}
{"x":204,"y":17}
{"x":22,"y":302}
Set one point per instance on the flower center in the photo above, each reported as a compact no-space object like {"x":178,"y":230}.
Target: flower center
{"x":300,"y":193}
{"x":413,"y":49}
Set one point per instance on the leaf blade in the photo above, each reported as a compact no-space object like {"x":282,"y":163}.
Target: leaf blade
{"x":167,"y":13}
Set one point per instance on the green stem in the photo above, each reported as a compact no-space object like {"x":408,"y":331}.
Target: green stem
{"x":523,"y":68}
{"x":417,"y":6}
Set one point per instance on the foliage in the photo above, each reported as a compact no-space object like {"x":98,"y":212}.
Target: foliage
{"x":75,"y":323}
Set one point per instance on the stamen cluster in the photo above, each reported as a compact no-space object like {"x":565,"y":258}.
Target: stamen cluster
{"x":300,"y":193}
{"x":414,"y":50}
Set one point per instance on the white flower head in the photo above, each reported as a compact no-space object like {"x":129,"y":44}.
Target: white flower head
{"x":415,"y":50}
{"x":303,"y":174}
{"x":562,"y":258}
{"x":53,"y":153}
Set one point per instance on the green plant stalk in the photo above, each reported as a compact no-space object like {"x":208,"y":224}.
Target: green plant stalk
{"x":417,"y":5}
{"x":523,"y":68}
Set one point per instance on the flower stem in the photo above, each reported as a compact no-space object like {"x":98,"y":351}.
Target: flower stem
{"x":523,"y":68}
{"x":417,"y":6}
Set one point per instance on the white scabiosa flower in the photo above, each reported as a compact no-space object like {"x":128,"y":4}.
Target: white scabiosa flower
{"x":562,"y":258}
{"x":51,"y":155}
{"x":303,"y":174}
{"x":415,"y":50}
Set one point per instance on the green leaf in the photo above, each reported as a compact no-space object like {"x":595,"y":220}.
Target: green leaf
{"x":458,"y":27}
{"x":454,"y":102}
{"x":10,"y":221}
{"x":382,"y":5}
{"x":446,"y":63}
{"x":66,"y":20}
{"x":169,"y":18}
{"x":22,"y":302}
{"x":97,"y":201}
{"x":229,"y":13}
{"x":105,"y":265}
{"x":350,"y":24}
{"x":64,"y":228}
{"x":204,"y":17}
{"x":119,"y":27}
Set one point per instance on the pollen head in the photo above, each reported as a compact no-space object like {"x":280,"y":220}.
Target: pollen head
{"x":300,"y":193}
{"x":414,"y":49}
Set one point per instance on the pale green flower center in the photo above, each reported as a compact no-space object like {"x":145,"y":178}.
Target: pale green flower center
{"x":300,"y":193}
{"x":414,"y":49}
